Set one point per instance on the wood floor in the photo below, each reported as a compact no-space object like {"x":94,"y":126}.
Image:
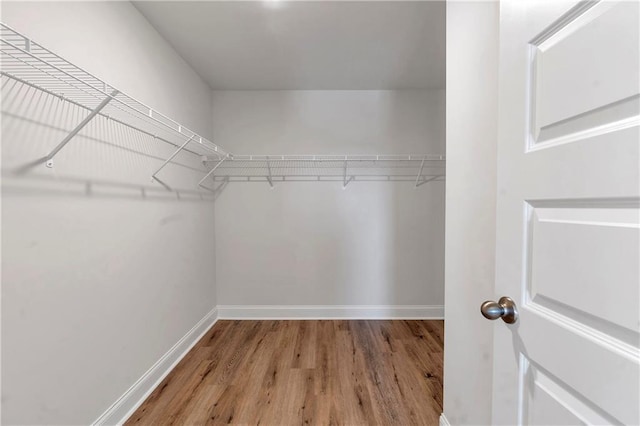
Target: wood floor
{"x":305,"y":372}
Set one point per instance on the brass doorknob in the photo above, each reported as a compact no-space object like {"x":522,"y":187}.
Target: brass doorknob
{"x":504,"y":308}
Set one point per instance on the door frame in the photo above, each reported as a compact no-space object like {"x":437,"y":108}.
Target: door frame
{"x":471,"y":191}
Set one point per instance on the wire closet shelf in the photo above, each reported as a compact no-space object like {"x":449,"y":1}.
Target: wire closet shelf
{"x":330,"y":168}
{"x":29,"y":63}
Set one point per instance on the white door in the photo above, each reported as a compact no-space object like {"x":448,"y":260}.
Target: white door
{"x":568,"y":213}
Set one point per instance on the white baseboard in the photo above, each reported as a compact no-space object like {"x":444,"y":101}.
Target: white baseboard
{"x":444,"y":421}
{"x":126,"y":405}
{"x":330,"y":312}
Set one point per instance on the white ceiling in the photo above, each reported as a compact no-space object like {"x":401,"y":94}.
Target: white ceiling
{"x":270,"y":45}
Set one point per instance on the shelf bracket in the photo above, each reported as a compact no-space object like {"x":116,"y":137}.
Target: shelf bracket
{"x":87,"y":119}
{"x":210,"y":172}
{"x":427,"y":180}
{"x":420,"y":172}
{"x":219,"y":188}
{"x":269,"y":178}
{"x":344,"y":175}
{"x":153,"y":176}
{"x":347,"y":182}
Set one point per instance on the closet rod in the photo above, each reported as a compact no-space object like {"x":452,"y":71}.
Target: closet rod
{"x":336,"y":178}
{"x":336,"y":158}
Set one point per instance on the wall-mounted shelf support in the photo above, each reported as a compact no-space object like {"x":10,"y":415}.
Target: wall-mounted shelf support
{"x":269,"y":178}
{"x":177,"y":151}
{"x":76,"y":130}
{"x":344,"y":185}
{"x":420,"y":172}
{"x":426,"y":180}
{"x":211,"y":172}
{"x":345,"y":182}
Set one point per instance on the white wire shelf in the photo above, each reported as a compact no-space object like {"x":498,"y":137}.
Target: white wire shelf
{"x":30,"y":63}
{"x":329,"y":168}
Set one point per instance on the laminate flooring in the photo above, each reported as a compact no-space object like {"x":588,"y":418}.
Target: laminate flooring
{"x":305,"y":373}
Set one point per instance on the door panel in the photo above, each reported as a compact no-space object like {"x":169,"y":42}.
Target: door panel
{"x":550,"y":403}
{"x":573,"y":250}
{"x":568,"y":225}
{"x":592,"y":366}
{"x":577,"y":78}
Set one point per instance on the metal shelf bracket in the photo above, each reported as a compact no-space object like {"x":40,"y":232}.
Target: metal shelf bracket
{"x":168,"y":160}
{"x":211,"y":172}
{"x":269,"y":178}
{"x":422,"y":182}
{"x":345,"y":181}
{"x":76,"y":130}
{"x":420,"y":172}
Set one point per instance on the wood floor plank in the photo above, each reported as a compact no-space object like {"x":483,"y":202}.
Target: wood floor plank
{"x":304,"y":373}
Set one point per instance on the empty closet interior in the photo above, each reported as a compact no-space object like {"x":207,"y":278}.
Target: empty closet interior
{"x":167,"y":165}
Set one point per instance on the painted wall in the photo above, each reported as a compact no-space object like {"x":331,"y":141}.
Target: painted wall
{"x":472,"y":114}
{"x":102,"y":270}
{"x":311,"y":243}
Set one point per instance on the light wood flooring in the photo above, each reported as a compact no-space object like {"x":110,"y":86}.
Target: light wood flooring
{"x":305,"y":372}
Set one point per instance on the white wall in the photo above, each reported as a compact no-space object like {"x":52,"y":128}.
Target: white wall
{"x":472,"y":112}
{"x":313,"y":243}
{"x":101,"y":273}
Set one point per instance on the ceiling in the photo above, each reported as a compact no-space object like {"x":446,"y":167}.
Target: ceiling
{"x":331,"y":45}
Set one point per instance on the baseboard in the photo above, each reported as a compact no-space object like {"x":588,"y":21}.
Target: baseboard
{"x":330,"y":312}
{"x":444,"y":421}
{"x":125,"y":406}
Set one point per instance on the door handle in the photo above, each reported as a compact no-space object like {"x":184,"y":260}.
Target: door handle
{"x":504,"y":308}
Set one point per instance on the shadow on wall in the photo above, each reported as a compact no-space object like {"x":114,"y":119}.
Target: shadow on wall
{"x":106,"y":159}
